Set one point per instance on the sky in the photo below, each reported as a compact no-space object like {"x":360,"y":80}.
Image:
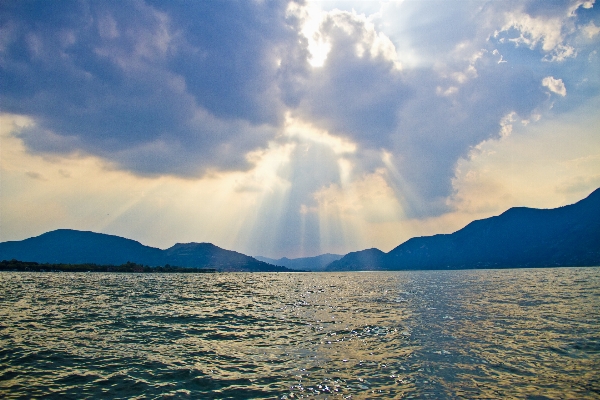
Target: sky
{"x":278,"y":128}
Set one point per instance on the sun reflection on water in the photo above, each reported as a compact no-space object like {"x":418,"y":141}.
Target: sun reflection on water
{"x":474,"y":334}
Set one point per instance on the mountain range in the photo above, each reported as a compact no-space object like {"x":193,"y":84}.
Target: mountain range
{"x":69,"y":246}
{"x":518,"y":238}
{"x":317,"y":263}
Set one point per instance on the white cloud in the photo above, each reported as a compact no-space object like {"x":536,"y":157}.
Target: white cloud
{"x":560,"y":53}
{"x":506,"y":124}
{"x":591,"y":30}
{"x":581,"y":3}
{"x":312,"y":17}
{"x":446,"y":92}
{"x":367,"y":39}
{"x":555,"y":85}
{"x":549,"y":32}
{"x":535,"y":30}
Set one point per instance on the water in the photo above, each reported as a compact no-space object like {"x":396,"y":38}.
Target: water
{"x":527,"y":334}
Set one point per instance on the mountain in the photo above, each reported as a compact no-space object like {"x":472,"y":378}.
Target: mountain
{"x":210,"y":256}
{"x":79,"y":247}
{"x":364,"y":260}
{"x":317,"y":263}
{"x":518,"y":238}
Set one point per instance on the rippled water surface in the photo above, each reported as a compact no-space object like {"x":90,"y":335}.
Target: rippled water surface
{"x":532,"y":334}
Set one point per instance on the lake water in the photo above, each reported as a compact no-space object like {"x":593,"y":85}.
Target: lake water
{"x":527,"y":334}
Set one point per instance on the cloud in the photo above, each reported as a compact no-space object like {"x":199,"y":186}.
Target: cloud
{"x":426,"y":148}
{"x":34,"y":175}
{"x":201,"y":89}
{"x":358,"y":89}
{"x":157,"y":210}
{"x":539,"y":157}
{"x":446,"y":100}
{"x":534,"y":30}
{"x":591,"y":30}
{"x":555,"y":85}
{"x":427,"y":117}
{"x":155,"y":88}
{"x":555,"y":28}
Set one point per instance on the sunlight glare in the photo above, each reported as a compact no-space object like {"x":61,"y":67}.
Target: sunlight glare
{"x":312,"y":17}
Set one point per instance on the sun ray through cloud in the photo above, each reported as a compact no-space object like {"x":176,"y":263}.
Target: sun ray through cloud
{"x":291,"y":128}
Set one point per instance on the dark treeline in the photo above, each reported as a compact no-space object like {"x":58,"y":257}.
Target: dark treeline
{"x":16,"y":265}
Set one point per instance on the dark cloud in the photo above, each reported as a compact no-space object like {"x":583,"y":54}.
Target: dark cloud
{"x":165,"y":88}
{"x":230,"y":55}
{"x":435,"y":130}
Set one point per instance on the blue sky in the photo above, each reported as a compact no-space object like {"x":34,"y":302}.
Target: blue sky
{"x":293,"y":129}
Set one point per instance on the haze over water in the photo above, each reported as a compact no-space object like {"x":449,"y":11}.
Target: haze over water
{"x":473,"y":334}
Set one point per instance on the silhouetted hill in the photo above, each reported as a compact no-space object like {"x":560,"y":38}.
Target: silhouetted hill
{"x":211,"y":256}
{"x":79,"y":247}
{"x":364,"y":260}
{"x":317,"y":263}
{"x":68,"y":246}
{"x":520,"y":237}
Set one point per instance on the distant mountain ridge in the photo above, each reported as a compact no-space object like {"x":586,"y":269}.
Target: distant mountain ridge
{"x":79,"y":247}
{"x":316,"y":263}
{"x":520,"y":237}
